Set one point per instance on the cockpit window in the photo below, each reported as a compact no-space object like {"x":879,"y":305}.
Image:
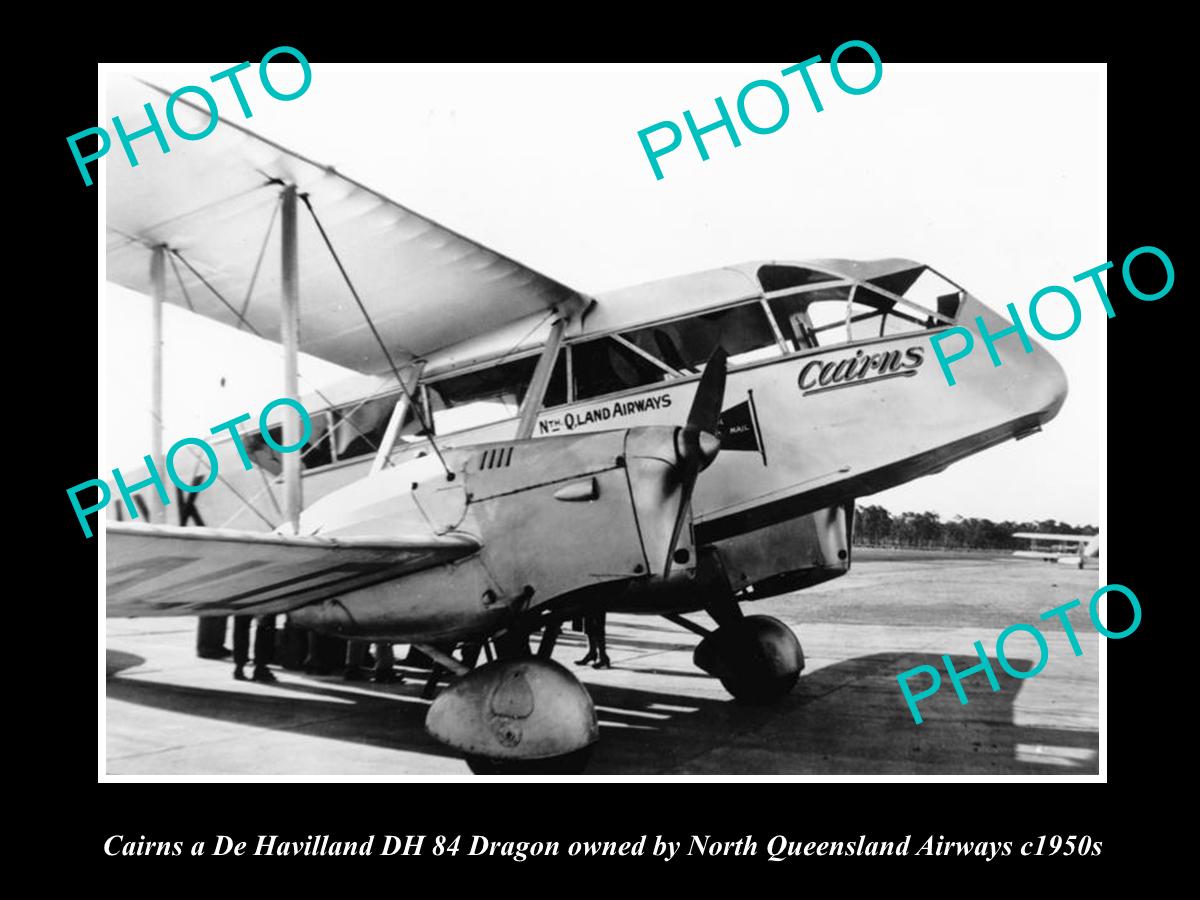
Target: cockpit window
{"x":811,"y":319}
{"x":925,"y":288}
{"x":875,"y":315}
{"x":878,"y":308}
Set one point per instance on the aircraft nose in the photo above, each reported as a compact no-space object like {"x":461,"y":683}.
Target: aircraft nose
{"x":1047,"y":383}
{"x":1032,"y":384}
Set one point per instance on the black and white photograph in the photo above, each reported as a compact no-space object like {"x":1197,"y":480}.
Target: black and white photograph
{"x":585,"y":421}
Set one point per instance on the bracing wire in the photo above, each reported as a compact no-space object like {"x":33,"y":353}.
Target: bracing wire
{"x":413,"y":404}
{"x":245,"y":322}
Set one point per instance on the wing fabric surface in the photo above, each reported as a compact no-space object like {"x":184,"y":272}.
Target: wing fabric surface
{"x":215,"y":200}
{"x":164,"y":570}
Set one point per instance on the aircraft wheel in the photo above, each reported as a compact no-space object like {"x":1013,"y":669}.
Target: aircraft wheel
{"x":567,"y":764}
{"x":760,"y":690}
{"x":758,"y":659}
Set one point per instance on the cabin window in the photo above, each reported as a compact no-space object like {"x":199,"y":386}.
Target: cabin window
{"x":319,"y":450}
{"x":683,"y":347}
{"x":313,"y":454}
{"x":481,"y":397}
{"x":345,"y":432}
{"x":608,"y":365}
{"x":360,"y":427}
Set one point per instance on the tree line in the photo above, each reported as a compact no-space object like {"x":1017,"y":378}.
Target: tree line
{"x":874,"y":526}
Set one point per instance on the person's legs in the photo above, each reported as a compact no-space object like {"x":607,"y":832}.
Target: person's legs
{"x":601,"y":641}
{"x":384,"y":662}
{"x":356,"y":654}
{"x":241,"y":645}
{"x":210,"y":637}
{"x":291,"y":645}
{"x":319,"y":660}
{"x":264,"y":648}
{"x":590,"y":630}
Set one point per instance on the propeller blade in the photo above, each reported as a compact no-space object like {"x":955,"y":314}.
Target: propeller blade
{"x":710,"y":393}
{"x":685,"y":502}
{"x":697,"y":444}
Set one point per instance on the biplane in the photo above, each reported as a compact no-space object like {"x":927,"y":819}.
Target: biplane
{"x":515,"y":451}
{"x":1067,"y":549}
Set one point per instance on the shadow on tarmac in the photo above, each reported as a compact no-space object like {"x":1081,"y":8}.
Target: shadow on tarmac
{"x":116,"y":660}
{"x":845,"y":718}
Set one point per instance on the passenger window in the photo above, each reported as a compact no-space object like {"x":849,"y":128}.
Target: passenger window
{"x":345,"y":432}
{"x":684,"y":346}
{"x":260,"y":452}
{"x":482,"y":397}
{"x":315,"y":453}
{"x":605,"y":366}
{"x":360,"y":426}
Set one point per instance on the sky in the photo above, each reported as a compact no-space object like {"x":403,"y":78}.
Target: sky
{"x":994,"y":175}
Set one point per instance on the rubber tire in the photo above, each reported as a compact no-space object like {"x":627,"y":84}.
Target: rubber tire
{"x":761,"y":691}
{"x":567,"y":764}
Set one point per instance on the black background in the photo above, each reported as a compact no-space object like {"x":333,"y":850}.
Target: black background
{"x":1147,"y":545}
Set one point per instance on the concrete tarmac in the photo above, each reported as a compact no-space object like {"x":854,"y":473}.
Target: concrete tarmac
{"x":169,"y":713}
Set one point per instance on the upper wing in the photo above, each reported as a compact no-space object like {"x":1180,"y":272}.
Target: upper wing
{"x":213,"y":201}
{"x":164,"y":570}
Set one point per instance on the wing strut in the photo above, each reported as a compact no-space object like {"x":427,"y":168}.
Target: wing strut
{"x":541,"y":380}
{"x":396,"y":422}
{"x":290,"y":332}
{"x":158,"y":277}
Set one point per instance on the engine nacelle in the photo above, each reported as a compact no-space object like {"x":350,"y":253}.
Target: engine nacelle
{"x":554,"y":517}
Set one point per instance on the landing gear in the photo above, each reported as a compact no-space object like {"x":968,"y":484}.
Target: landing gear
{"x":517,"y":716}
{"x":757,"y":658}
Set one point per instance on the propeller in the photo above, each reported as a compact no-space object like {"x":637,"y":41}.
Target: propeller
{"x":696,"y":443}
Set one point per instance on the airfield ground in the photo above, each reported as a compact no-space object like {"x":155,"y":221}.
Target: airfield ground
{"x":169,"y":713}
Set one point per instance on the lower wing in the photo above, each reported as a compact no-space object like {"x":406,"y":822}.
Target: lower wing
{"x":164,"y":570}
